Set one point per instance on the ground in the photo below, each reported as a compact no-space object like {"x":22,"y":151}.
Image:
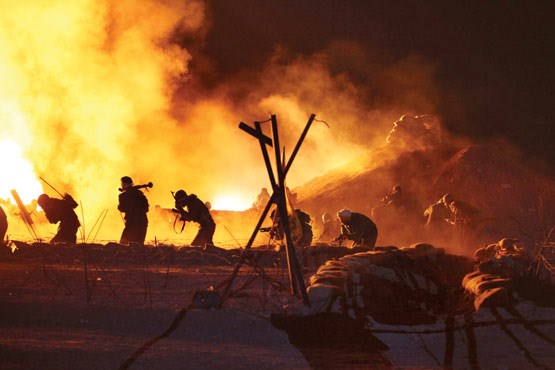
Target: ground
{"x":115,"y":307}
{"x":110,"y":307}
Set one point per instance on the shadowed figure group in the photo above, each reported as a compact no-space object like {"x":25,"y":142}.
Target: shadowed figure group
{"x":450,"y":219}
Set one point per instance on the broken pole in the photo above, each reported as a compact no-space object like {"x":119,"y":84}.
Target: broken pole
{"x":25,"y":216}
{"x":299,"y":143}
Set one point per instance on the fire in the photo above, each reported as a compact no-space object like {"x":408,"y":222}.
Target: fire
{"x":230,"y":203}
{"x":17,"y":173}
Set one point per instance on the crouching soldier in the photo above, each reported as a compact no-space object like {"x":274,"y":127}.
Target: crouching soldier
{"x":196,"y":212}
{"x":358,"y":228}
{"x":62,"y":211}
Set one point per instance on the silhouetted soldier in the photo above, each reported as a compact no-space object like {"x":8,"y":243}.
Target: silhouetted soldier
{"x":330,"y":227}
{"x":134,"y":204}
{"x":261,"y":199}
{"x":464,"y":215}
{"x":358,"y":228}
{"x":62,"y":211}
{"x":394,"y":198}
{"x":196,"y":212}
{"x":438,"y":216}
{"x":3,"y":225}
{"x":300,"y":227}
{"x":465,"y":218}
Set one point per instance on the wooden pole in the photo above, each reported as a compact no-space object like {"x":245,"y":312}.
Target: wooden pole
{"x":279,"y":198}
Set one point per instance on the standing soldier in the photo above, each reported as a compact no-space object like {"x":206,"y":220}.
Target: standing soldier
{"x":134,"y":204}
{"x":196,"y":212}
{"x":358,"y":228}
{"x":3,"y":225}
{"x":62,"y":211}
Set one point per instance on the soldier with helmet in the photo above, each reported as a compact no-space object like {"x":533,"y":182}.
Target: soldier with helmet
{"x":438,"y":215}
{"x":196,"y":212}
{"x":134,"y":204}
{"x":62,"y":211}
{"x":358,"y":228}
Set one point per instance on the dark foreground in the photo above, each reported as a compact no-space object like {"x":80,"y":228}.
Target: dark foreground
{"x":111,"y":307}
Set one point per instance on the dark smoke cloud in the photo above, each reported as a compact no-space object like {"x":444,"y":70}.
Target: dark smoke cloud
{"x":492,"y":61}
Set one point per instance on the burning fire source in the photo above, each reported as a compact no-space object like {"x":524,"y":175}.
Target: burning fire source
{"x":91,"y":91}
{"x":16,"y":173}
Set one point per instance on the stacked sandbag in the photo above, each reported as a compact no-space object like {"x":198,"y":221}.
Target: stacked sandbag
{"x":489,"y":290}
{"x":498,"y":266}
{"x":386,"y":283}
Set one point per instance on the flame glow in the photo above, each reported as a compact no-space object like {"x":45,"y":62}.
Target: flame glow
{"x":17,"y":173}
{"x":231,"y":203}
{"x":96,"y":90}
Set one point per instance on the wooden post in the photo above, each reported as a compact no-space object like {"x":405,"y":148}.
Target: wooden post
{"x":279,"y":198}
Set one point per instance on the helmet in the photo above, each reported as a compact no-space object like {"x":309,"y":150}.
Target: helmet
{"x":180,"y":194}
{"x":397,"y":188}
{"x":42,"y":200}
{"x":344,"y":214}
{"x":126,"y":180}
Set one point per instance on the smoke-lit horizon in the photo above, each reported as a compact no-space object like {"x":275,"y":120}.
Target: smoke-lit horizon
{"x":96,"y":90}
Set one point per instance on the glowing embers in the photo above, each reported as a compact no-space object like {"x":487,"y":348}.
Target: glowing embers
{"x":17,"y":173}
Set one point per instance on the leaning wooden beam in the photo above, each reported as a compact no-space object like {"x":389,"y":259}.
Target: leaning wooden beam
{"x":295,"y":273}
{"x":282,"y":209}
{"x":249,"y":130}
{"x":299,"y":142}
{"x":266,"y":156}
{"x":279,"y":198}
{"x":25,"y":216}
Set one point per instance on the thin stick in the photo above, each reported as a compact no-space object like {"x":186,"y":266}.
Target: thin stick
{"x":236,"y":241}
{"x":100,"y":226}
{"x":53,"y":188}
{"x":97,"y":219}
{"x":83,"y":226}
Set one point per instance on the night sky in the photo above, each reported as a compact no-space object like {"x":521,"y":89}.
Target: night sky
{"x":494,"y":61}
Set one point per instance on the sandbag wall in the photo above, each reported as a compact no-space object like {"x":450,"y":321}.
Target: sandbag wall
{"x":407,"y":285}
{"x":502,"y":267}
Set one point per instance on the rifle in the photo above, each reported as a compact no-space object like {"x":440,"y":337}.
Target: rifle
{"x":149,"y":185}
{"x":181,"y":213}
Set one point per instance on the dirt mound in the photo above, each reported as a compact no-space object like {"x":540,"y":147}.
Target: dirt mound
{"x":512,"y":195}
{"x":515,"y":199}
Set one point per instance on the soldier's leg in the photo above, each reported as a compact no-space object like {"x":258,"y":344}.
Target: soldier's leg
{"x":67,"y":233}
{"x":204,"y":235}
{"x":141,"y":234}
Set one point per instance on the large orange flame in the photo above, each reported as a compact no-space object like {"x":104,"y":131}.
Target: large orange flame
{"x":16,"y":172}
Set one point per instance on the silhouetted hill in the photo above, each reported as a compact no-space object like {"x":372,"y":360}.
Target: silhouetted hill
{"x":515,"y":199}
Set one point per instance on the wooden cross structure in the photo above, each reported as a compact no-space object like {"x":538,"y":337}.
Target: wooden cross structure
{"x":278,"y":198}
